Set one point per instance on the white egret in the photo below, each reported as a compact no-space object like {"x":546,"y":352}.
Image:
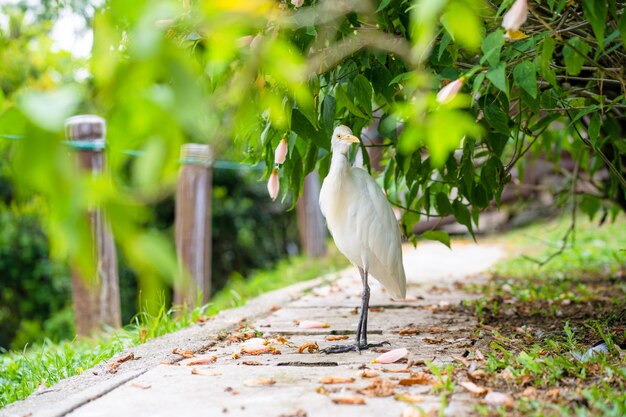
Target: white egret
{"x":364,"y":228}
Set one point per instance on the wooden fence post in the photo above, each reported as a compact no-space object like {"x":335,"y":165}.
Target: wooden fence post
{"x":193,"y":224}
{"x":310,"y":221}
{"x":96,"y":301}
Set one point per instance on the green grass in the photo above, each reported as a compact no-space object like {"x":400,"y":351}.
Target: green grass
{"x":21,"y":373}
{"x":537,"y":319}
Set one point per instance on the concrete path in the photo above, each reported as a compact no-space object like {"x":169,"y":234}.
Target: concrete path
{"x":229,"y":380}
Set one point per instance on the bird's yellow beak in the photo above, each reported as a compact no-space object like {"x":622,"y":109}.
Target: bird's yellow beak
{"x":349,"y":138}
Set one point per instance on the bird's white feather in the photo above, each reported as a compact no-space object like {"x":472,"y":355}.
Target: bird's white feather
{"x":362,"y":223}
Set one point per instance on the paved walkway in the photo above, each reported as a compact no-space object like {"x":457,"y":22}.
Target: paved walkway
{"x":229,"y":380}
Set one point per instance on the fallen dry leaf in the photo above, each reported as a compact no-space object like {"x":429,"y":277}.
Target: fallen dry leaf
{"x":336,"y":380}
{"x":136,"y":385}
{"x":418,"y":412}
{"x":240,"y":336}
{"x":202,"y":361}
{"x":368,"y":373}
{"x":476,"y":375}
{"x":409,"y":398}
{"x":461,"y":360}
{"x":205,"y":372}
{"x":408,"y":332}
{"x":434,"y":341}
{"x":184,"y":353}
{"x":275,"y":308}
{"x":311,"y":324}
{"x":377,"y":309}
{"x":499,"y":398}
{"x":251,"y":363}
{"x":473,"y":388}
{"x":254,"y":350}
{"x":349,"y":400}
{"x":380,"y":387}
{"x":296,"y":413}
{"x":391,"y":356}
{"x":479,"y":355}
{"x":531,"y":393}
{"x":235,"y":355}
{"x":142,"y":335}
{"x":418,"y":378}
{"x":435,"y":329}
{"x":553,"y":394}
{"x":231,"y":390}
{"x":170,"y":363}
{"x":308,"y":346}
{"x":259,"y":381}
{"x":335,"y":338}
{"x":113,"y":366}
{"x":397,"y":371}
{"x":282,"y":340}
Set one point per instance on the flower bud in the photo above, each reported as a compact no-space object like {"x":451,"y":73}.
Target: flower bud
{"x":273,"y":185}
{"x":516,"y":16}
{"x":297,"y":3}
{"x":281,"y":152}
{"x":447,"y":93}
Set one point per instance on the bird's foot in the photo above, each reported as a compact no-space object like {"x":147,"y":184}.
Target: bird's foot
{"x":353,"y":347}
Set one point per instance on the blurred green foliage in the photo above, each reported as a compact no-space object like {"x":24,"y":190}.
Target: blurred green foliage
{"x":242,"y":74}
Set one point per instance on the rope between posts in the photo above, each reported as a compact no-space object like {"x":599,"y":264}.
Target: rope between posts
{"x":100,"y":144}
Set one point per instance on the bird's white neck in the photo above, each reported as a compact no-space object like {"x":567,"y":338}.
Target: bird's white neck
{"x":339,"y":164}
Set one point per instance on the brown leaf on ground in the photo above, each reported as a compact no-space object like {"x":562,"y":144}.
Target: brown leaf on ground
{"x":259,"y":381}
{"x":142,"y":335}
{"x":282,"y":340}
{"x":335,"y":338}
{"x":397,"y":371}
{"x":231,"y":390}
{"x":418,"y":378}
{"x":479,"y":355}
{"x":169,"y":363}
{"x":380,"y":387}
{"x":368,"y":373}
{"x":409,"y":398}
{"x":235,"y":355}
{"x":113,"y":366}
{"x":255,"y":350}
{"x":408,"y":332}
{"x":461,"y":360}
{"x":553,"y":394}
{"x":473,"y":388}
{"x":336,"y":380}
{"x":205,"y":372}
{"x":377,"y":309}
{"x":202,"y":361}
{"x":308,"y":346}
{"x":531,"y":393}
{"x":296,"y":413}
{"x":184,"y":353}
{"x":434,"y":341}
{"x":417,"y":412}
{"x":349,"y":400}
{"x":499,"y":398}
{"x":476,"y":375}
{"x":251,"y":363}
{"x":240,"y":336}
{"x":275,"y":308}
{"x":435,"y":329}
{"x":136,"y":385}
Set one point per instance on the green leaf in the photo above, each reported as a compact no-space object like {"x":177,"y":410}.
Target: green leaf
{"x":462,"y":215}
{"x":574,"y":53}
{"x":594,"y":128}
{"x":595,"y":12}
{"x":463,"y":24}
{"x":438,"y":235}
{"x":497,"y":76}
{"x":363,"y":92}
{"x":342,"y":97}
{"x":382,"y":5}
{"x":525,"y":76}
{"x":442,"y":204}
{"x":546,"y":59}
{"x":401,"y":77}
{"x":497,"y":118}
{"x":49,"y":109}
{"x":303,"y":127}
{"x":491,"y":47}
{"x":621,"y":25}
{"x":328,"y":114}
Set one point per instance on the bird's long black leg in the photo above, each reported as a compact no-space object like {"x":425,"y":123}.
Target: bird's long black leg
{"x":361,"y":334}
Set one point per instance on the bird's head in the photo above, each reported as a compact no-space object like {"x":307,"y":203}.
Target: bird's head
{"x":342,"y":139}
